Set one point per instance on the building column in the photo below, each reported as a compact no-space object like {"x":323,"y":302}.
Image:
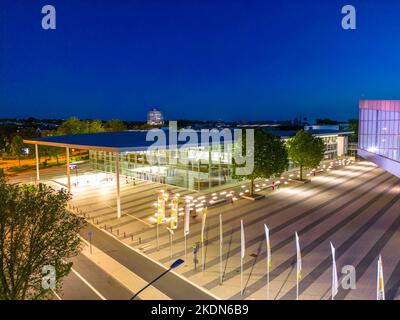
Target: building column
{"x":68,"y":170}
{"x":37,"y":162}
{"x":118,"y":189}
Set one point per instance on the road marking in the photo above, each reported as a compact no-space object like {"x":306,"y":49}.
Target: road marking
{"x":55,"y":293}
{"x":88,"y":284}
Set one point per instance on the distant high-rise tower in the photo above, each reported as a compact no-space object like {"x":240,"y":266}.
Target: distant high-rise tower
{"x":155,"y":117}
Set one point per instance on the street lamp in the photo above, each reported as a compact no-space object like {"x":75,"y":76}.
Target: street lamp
{"x":177,"y":263}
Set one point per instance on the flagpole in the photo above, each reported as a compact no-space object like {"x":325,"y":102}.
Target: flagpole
{"x":298,"y":265}
{"x":202,"y":238}
{"x":186,"y":228}
{"x":220,"y":249}
{"x":158,"y":246}
{"x":242,"y":253}
{"x":241,"y":276}
{"x":185,"y":250}
{"x":268,"y":256}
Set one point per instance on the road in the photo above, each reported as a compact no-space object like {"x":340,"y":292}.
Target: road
{"x":171,"y":284}
{"x":88,"y":282}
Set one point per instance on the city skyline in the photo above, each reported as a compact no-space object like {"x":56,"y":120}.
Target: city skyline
{"x":255,"y":61}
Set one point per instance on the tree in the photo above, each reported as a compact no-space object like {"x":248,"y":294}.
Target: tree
{"x":269,"y":154}
{"x":353,"y":126}
{"x":16,"y":147}
{"x":71,"y":126}
{"x":115,"y":125}
{"x":36,"y":232}
{"x":305,"y":150}
{"x":93,"y":126}
{"x":326,"y":121}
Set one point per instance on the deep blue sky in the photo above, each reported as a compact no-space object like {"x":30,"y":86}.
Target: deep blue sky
{"x":214,"y":59}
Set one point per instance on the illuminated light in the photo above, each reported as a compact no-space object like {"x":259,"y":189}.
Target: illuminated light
{"x":267,"y":180}
{"x":282,"y":178}
{"x":180,"y":209}
{"x":214,"y":194}
{"x":290,"y":179}
{"x":257,"y":185}
{"x":240,"y":194}
{"x":258,"y":189}
{"x":234,"y":198}
{"x":214,"y":198}
{"x":286,"y":182}
{"x":201,"y":198}
{"x":199,"y":205}
{"x":243,"y":186}
{"x":247,"y":190}
{"x":264,"y":184}
{"x":372,"y":149}
{"x":189,"y":197}
{"x":152,"y":219}
{"x":290,"y":175}
{"x":199,"y":210}
{"x":229,"y":195}
{"x":222,"y":193}
{"x":195,"y":200}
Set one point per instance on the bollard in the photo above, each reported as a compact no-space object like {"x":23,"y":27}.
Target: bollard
{"x":124,"y":235}
{"x":140,"y":240}
{"x":97,"y":221}
{"x":111,"y":229}
{"x":117,"y":232}
{"x":132,"y":237}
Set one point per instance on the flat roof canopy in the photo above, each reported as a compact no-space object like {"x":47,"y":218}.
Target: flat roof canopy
{"x":136,"y":140}
{"x":110,"y":141}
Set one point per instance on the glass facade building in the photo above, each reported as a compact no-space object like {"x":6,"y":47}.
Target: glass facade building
{"x":198,"y":168}
{"x":379,"y":133}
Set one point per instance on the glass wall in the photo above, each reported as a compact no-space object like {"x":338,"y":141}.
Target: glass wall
{"x":197,"y":168}
{"x":379,"y":129}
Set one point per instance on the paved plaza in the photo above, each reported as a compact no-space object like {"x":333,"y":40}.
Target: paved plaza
{"x":356,"y":207}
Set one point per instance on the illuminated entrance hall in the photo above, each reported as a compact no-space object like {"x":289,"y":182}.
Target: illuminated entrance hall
{"x":197,"y":168}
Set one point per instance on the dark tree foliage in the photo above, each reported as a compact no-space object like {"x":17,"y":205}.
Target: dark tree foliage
{"x":35,"y":231}
{"x":305,"y":150}
{"x":269,"y":154}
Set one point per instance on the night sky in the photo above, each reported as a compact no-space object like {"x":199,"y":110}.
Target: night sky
{"x":222,"y":60}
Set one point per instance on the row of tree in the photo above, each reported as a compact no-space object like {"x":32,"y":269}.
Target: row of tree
{"x":271,"y":154}
{"x":76,"y":126}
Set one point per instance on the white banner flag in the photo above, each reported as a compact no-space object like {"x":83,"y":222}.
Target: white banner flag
{"x":203,"y":224}
{"x":268,"y":247}
{"x":298,"y":265}
{"x":242,"y":240}
{"x":298,"y":257}
{"x":380,"y":288}
{"x":268,"y":256}
{"x":187,"y":220}
{"x":335,"y":284}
